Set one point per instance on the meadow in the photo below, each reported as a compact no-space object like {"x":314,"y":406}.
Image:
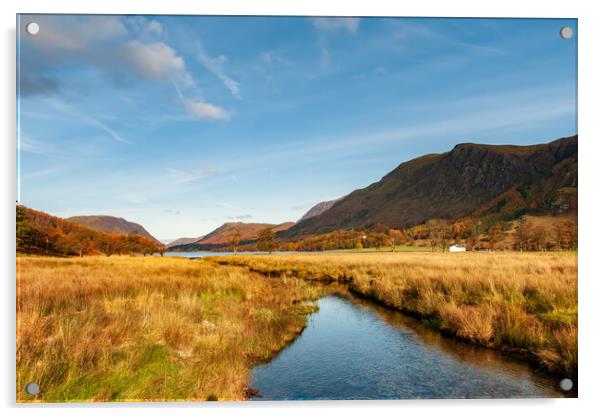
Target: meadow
{"x":522,"y":303}
{"x":149,"y":328}
{"x":126,"y":328}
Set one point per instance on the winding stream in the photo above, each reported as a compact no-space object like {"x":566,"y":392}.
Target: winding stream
{"x":357,"y":350}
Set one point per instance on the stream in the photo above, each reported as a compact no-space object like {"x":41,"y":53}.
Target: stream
{"x":353,"y":349}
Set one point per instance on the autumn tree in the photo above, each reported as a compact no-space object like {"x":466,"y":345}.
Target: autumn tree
{"x":81,"y":241}
{"x":266,"y":240}
{"x":440,"y":233}
{"x":398,"y":237}
{"x":472,"y":231}
{"x":234,"y":238}
{"x":494,"y":235}
{"x":565,"y":235}
{"x":540,"y":238}
{"x":522,"y":235}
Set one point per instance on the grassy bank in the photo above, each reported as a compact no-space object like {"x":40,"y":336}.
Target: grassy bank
{"x":121,"y":328}
{"x":525,"y":303}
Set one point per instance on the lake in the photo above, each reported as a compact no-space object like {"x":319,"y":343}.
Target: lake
{"x":353,"y":349}
{"x":199,"y":254}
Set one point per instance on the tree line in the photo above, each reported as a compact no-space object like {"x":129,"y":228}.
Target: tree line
{"x":41,"y":233}
{"x":474,"y":233}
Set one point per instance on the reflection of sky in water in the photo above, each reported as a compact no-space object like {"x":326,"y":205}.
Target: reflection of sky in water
{"x":348,"y":352}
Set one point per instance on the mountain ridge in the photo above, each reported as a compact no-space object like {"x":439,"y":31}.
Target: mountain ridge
{"x":222,"y":234}
{"x":453,"y":184}
{"x":111,"y":224}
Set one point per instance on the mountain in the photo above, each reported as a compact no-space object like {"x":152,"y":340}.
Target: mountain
{"x":318,"y":209}
{"x":41,"y":233}
{"x":507,"y":179}
{"x":220,"y":237}
{"x":248,"y":231}
{"x":183,"y":240}
{"x":108,"y":224}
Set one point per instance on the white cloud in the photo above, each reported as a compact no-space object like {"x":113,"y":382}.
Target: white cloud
{"x":123,"y":48}
{"x":216,"y":66}
{"x":147,"y":28}
{"x":200,"y":109}
{"x":75,"y":34}
{"x":350,"y":24}
{"x":157,"y":61}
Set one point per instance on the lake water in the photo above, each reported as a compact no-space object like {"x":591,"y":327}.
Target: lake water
{"x":199,"y":254}
{"x":356,"y":350}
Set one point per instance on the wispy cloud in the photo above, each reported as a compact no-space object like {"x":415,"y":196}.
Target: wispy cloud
{"x":240,"y":217}
{"x":187,"y":175}
{"x":349,"y":24}
{"x":85,"y":118}
{"x":216,"y":66}
{"x":406,"y":32}
{"x":27,"y":144}
{"x":475,"y":116}
{"x":200,"y":109}
{"x":227,"y":205}
{"x":41,"y":173}
{"x":271,"y":57}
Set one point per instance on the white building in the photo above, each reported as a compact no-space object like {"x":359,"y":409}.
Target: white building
{"x":456,"y":248}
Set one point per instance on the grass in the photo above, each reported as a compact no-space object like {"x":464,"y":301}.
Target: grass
{"x":524,"y":303}
{"x":168,"y":329}
{"x":160,"y":329}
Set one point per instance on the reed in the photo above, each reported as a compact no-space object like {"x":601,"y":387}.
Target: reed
{"x":160,"y":329}
{"x":524,"y":303}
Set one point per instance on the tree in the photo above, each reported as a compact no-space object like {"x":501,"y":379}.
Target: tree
{"x":472,"y":232}
{"x":440,"y":233}
{"x":82,"y":241}
{"x":266,"y":240}
{"x":234,"y":238}
{"x":565,"y":235}
{"x":494,"y":235}
{"x":398,"y":237}
{"x":540,"y":238}
{"x":522,"y":235}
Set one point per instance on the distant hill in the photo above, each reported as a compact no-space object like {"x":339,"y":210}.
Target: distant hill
{"x":488,"y":179}
{"x":41,"y":233}
{"x":318,"y":209}
{"x":220,"y":237}
{"x":108,"y":224}
{"x":182,"y":241}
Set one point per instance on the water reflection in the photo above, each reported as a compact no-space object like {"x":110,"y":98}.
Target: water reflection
{"x":353,"y":349}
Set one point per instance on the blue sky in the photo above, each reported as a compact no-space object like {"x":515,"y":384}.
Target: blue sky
{"x":182,"y":123}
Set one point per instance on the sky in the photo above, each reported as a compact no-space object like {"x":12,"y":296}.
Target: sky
{"x":182,"y":123}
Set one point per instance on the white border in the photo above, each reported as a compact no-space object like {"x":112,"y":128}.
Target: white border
{"x":590,"y":276}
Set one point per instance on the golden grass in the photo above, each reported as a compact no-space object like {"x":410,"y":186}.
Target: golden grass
{"x":160,"y":329}
{"x":525,"y":303}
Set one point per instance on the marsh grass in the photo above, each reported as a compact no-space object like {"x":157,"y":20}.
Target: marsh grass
{"x":161,"y":329}
{"x":524,"y":303}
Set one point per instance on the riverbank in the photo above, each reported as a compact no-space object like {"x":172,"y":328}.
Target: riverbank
{"x":149,"y":328}
{"x":519,"y":303}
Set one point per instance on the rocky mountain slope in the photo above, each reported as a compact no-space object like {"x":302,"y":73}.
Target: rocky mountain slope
{"x":537,"y":179}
